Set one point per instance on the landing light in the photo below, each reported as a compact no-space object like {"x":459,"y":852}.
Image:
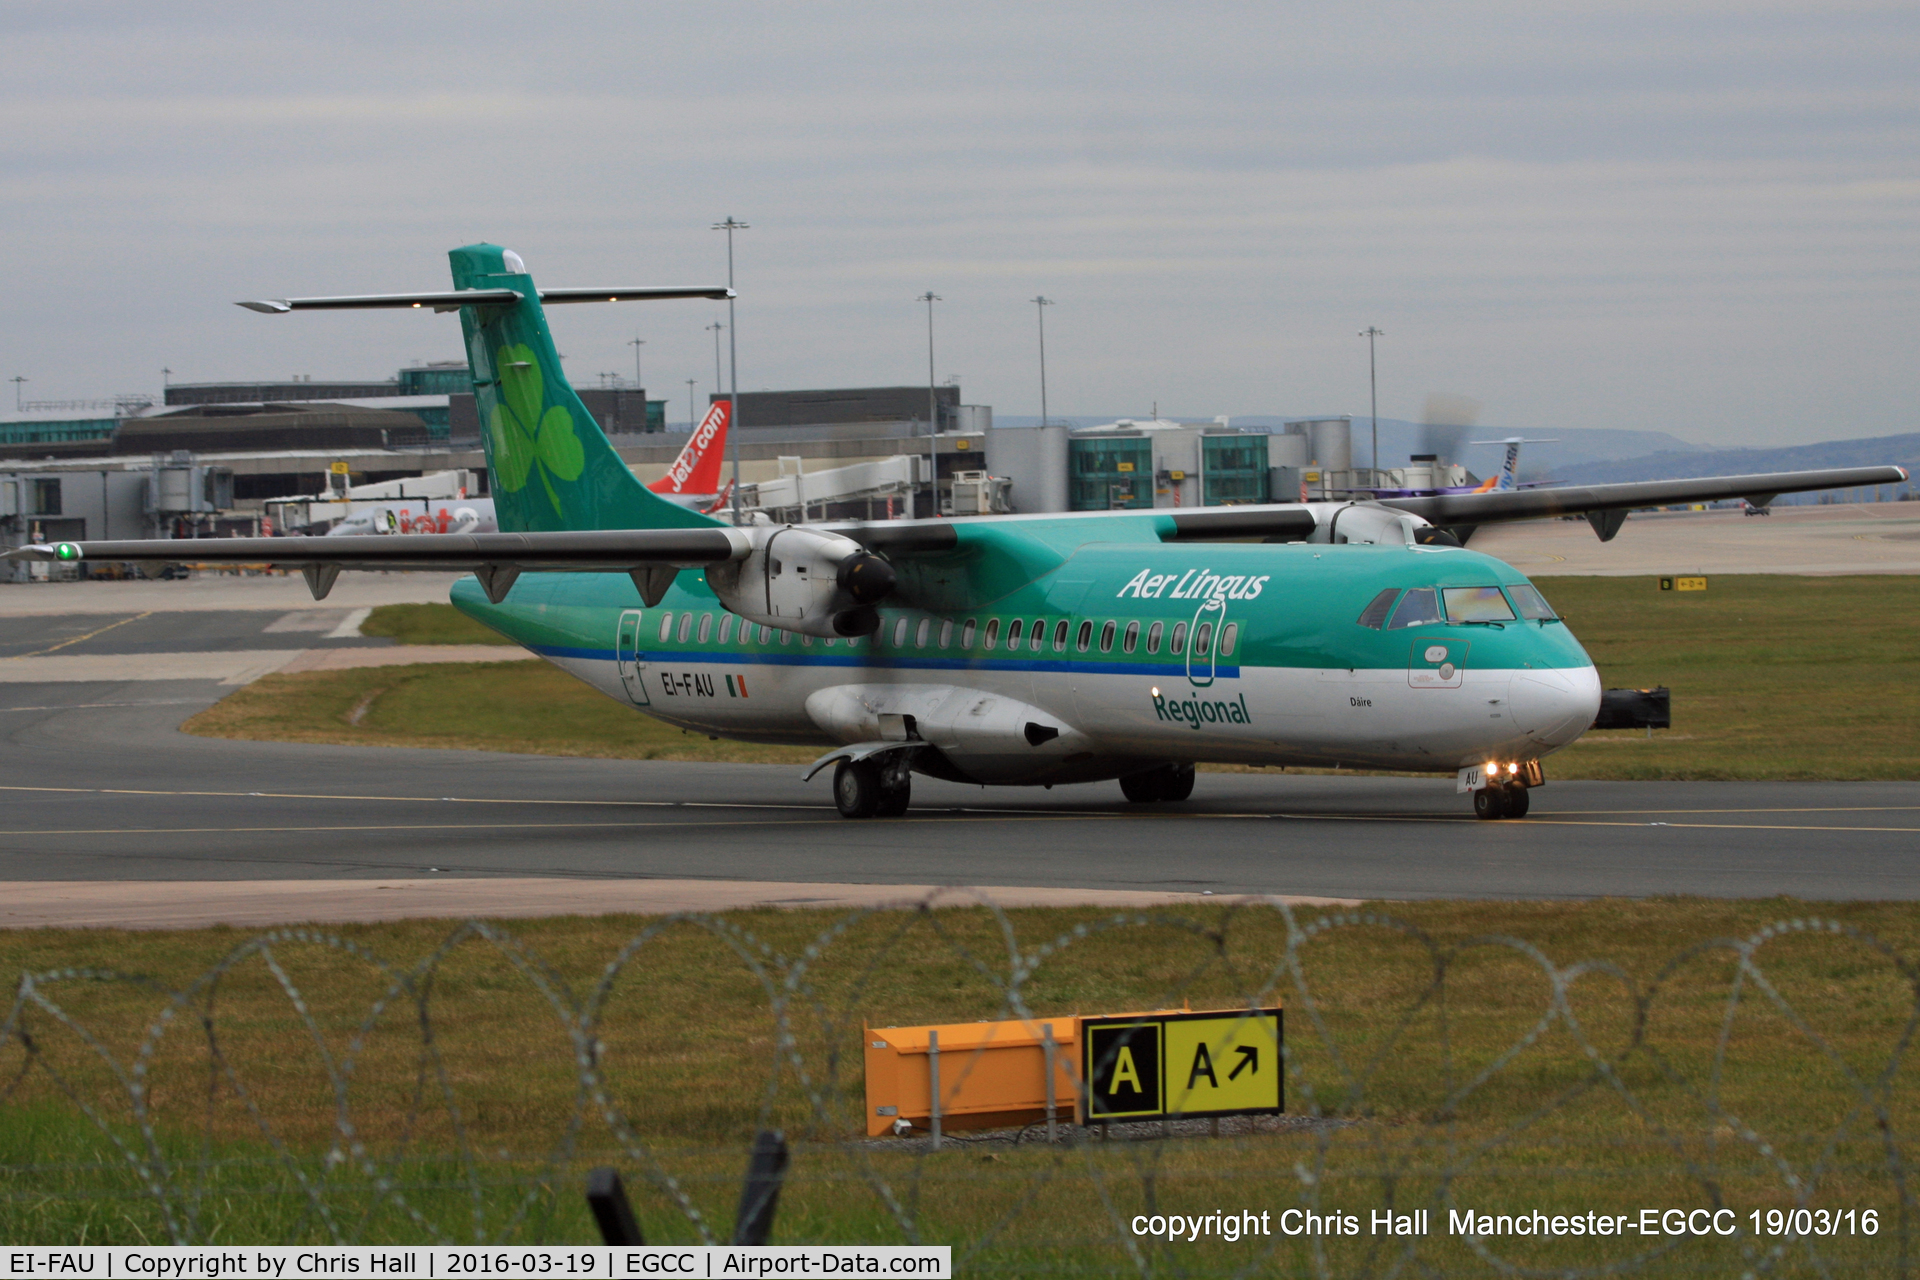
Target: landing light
{"x":1492,"y":768}
{"x":1154,"y":692}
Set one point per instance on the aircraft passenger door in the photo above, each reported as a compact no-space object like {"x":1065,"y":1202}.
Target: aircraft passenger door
{"x":626,"y":650}
{"x":1203,"y":640}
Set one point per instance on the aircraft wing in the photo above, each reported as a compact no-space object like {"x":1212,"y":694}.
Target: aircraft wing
{"x":650,"y":556}
{"x":1606,"y":505}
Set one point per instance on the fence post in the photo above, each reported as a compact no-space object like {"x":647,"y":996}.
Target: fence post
{"x":760,"y":1194}
{"x":611,"y":1211}
{"x":1047,"y":1050}
{"x":933,"y":1082}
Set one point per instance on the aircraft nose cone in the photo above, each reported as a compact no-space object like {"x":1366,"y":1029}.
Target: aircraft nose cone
{"x":1555,"y":706}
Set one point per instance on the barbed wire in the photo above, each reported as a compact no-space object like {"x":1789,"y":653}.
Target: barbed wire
{"x":1347,"y":1136}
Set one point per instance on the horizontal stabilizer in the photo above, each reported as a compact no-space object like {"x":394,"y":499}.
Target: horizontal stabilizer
{"x":454,"y":299}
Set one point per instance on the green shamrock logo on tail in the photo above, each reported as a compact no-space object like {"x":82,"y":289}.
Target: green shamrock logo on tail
{"x":526,"y":441}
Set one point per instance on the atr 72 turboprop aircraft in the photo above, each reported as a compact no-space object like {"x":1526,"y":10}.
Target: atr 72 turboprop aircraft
{"x":1011,"y":650}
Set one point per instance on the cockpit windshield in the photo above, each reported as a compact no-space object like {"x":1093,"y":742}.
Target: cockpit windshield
{"x":1417,"y":609}
{"x":1532,"y":605}
{"x":1477,"y":604}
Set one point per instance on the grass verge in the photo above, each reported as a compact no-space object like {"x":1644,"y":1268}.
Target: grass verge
{"x":1442,"y":1069}
{"x":1773,"y":677}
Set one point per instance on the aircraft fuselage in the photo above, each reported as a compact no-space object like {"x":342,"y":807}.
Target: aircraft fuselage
{"x":1124,"y":656}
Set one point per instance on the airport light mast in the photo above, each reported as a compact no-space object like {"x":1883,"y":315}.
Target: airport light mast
{"x":1040,"y":305}
{"x":637,"y":343}
{"x":693,"y":418}
{"x":730,"y":226}
{"x":933,"y":413}
{"x":1373,"y":396}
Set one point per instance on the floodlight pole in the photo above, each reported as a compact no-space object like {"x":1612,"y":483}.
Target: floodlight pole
{"x":933,"y":414}
{"x":1040,"y":305}
{"x":1373,"y":395}
{"x":16,"y":380}
{"x":730,"y":226}
{"x":693,"y":419}
{"x":637,"y":343}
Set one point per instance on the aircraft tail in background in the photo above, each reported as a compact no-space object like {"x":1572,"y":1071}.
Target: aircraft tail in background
{"x":1506,"y":481}
{"x":695,"y":474}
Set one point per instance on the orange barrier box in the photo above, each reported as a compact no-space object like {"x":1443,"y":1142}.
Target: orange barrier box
{"x":992,"y":1074}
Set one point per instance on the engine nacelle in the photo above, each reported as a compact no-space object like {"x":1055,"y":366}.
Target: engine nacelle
{"x":804,"y":580}
{"x":1369,"y":522}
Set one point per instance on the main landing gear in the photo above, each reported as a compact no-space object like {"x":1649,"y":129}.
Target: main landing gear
{"x":872,"y":788}
{"x":1167,"y":782}
{"x":1501,"y":800}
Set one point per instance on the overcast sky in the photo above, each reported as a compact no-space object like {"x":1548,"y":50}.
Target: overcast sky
{"x":1688,"y":216}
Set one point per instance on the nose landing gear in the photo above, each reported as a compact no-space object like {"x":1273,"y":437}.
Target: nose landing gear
{"x":1501,"y":800}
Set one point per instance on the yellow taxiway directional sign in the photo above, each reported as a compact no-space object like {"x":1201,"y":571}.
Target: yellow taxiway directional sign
{"x":1172,"y":1065}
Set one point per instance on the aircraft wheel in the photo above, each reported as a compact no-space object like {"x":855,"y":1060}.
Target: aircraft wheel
{"x":1179,"y":782}
{"x":1489,"y":804}
{"x":1142,"y":788}
{"x":894,"y":800}
{"x":856,"y":789}
{"x":1517,"y":802}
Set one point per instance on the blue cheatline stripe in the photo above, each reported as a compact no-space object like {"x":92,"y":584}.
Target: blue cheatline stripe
{"x":888,"y":661}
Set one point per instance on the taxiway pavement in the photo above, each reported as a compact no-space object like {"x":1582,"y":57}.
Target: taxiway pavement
{"x":98,"y":785}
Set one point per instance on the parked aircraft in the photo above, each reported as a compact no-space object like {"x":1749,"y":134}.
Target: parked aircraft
{"x":1009,"y":650}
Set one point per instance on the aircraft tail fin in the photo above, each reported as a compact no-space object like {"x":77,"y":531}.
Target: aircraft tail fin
{"x":1506,"y":480}
{"x":550,"y":466}
{"x":697,"y":469}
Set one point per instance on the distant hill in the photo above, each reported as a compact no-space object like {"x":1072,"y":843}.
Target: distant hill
{"x":1900,"y":451}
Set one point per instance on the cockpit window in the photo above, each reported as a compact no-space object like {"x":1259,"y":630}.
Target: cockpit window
{"x":1376,"y":614}
{"x":1532,"y":605}
{"x":1417,"y":608}
{"x":1477,"y":604}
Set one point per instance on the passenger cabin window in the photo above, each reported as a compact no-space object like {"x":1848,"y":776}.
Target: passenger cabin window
{"x":726,"y":629}
{"x":900,"y":634}
{"x":1039,"y":634}
{"x":706,"y":627}
{"x":1477,"y":604}
{"x":966,"y":634}
{"x":1203,"y":640}
{"x":666,"y":626}
{"x":1085,"y":638}
{"x":1153,"y":636}
{"x":1060,"y":636}
{"x":1417,"y":609}
{"x":1532,"y":605}
{"x":1013,"y":632}
{"x":1376,"y":614}
{"x":993,"y":633}
{"x":686,"y":626}
{"x":1106,"y":638}
{"x":766,"y":635}
{"x":807,"y":640}
{"x":921,"y":632}
{"x":1228,"y":635}
{"x":946,"y":632}
{"x":1131,"y":638}
{"x":786,"y":637}
{"x":1178,"y":644}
